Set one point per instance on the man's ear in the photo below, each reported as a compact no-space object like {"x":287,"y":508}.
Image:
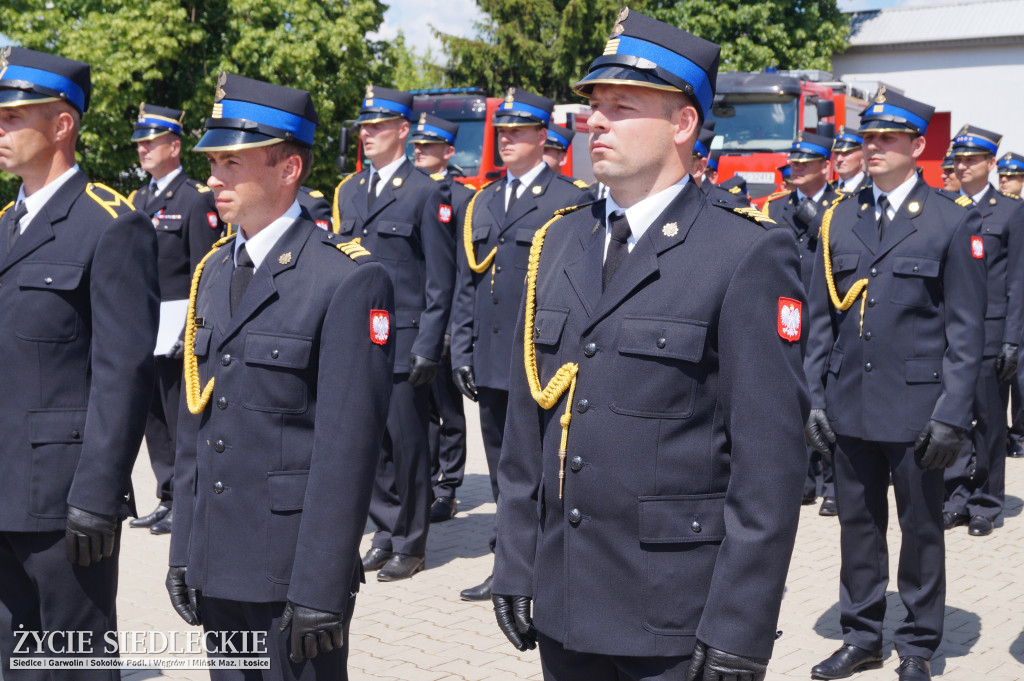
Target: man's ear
{"x":687,"y":124}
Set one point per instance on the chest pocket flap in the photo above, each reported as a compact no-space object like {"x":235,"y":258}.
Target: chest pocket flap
{"x":346,"y":226}
{"x":915,"y":266}
{"x":669,"y":338}
{"x":481,"y":232}
{"x":52,"y":276}
{"x":168,"y":225}
{"x":844,"y":262}
{"x":524,"y":235}
{"x":395,"y":229}
{"x":548,"y":325}
{"x":290,"y":352}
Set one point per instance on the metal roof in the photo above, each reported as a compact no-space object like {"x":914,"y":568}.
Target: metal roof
{"x":960,"y":22}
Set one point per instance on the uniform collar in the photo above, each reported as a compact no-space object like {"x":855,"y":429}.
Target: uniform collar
{"x":852,"y":183}
{"x":976,"y":197}
{"x":528,"y":177}
{"x":898,"y":195}
{"x":640,"y":215}
{"x":386,"y":173}
{"x":35,"y":203}
{"x":166,"y":180}
{"x":259,"y":245}
{"x":817,"y":195}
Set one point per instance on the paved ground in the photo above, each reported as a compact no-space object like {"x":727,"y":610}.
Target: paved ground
{"x":419,"y":630}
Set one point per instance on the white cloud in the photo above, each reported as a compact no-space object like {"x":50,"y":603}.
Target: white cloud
{"x":414,"y":18}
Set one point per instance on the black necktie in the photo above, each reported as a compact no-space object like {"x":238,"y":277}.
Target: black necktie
{"x":372,"y":196}
{"x":512,"y":198}
{"x":617,"y":247}
{"x":244,"y":269}
{"x":154,"y":191}
{"x":14,"y":229}
{"x":883,"y":220}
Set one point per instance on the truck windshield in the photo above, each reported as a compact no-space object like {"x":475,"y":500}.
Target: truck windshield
{"x":468,"y":146}
{"x":756,"y":123}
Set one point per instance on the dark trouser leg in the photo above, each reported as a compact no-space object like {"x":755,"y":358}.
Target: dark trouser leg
{"x":493,"y":408}
{"x":921,"y":576}
{"x":828,"y":478}
{"x":559,"y":664}
{"x":162,"y":424}
{"x":987,"y":488}
{"x":42,"y":591}
{"x":1016,"y":432}
{"x":447,"y":433}
{"x":400,"y":506}
{"x":957,"y":479}
{"x":862,"y":485}
{"x":236,"y":616}
{"x":814,"y":458}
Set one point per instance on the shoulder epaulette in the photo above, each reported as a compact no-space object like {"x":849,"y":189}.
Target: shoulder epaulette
{"x":1010,"y":196}
{"x":964,"y":201}
{"x":840,"y":196}
{"x":6,"y":208}
{"x":107,"y":198}
{"x":131,"y":197}
{"x":581,"y":184}
{"x":470,"y":186}
{"x":352,"y":249}
{"x":316,"y":194}
{"x":569,"y":209}
{"x":751,"y":213}
{"x":776,"y":195}
{"x":197,"y":185}
{"x":735,"y":190}
{"x":485,"y":185}
{"x":437,"y":177}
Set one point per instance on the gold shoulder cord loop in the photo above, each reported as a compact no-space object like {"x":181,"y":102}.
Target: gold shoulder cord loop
{"x":197,"y":399}
{"x":565,"y":378}
{"x":467,"y":241}
{"x":335,"y":213}
{"x":859,"y":287}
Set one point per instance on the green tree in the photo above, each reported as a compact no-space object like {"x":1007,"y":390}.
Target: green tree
{"x":170,"y":52}
{"x":546,"y":45}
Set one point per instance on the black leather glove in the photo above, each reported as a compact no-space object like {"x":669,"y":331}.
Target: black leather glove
{"x":465,"y":381}
{"x":1006,"y":362}
{"x":177,"y":350}
{"x":421,"y":370}
{"x":941,"y":444}
{"x":513,"y":614}
{"x":313,"y":631}
{"x":89,"y":537}
{"x":711,"y":664}
{"x":809,"y":213}
{"x":184,"y":598}
{"x":818,"y":431}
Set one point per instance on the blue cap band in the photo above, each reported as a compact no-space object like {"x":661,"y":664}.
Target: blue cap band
{"x":555,"y":138}
{"x":397,"y":107}
{"x":700,"y":149}
{"x":810,"y":148}
{"x":895,"y":111}
{"x":974,"y":141}
{"x":525,"y":108}
{"x":851,"y":138}
{"x":785,"y":173}
{"x":422,"y":128}
{"x":48,"y":80}
{"x":1010,"y":165}
{"x":671,"y":62}
{"x":712,"y":162}
{"x":160,"y":123}
{"x":297,"y":125}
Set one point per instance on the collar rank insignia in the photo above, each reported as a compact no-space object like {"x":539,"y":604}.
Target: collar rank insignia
{"x":537,"y":189}
{"x":380,"y":326}
{"x":397,"y":182}
{"x":913,"y":206}
{"x":789,"y":319}
{"x":992,"y":200}
{"x":671,"y":229}
{"x":285,"y":258}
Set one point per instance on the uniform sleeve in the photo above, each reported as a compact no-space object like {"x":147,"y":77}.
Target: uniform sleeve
{"x":185,"y":462}
{"x":461,"y":324}
{"x":346,"y":446}
{"x":820,"y":331}
{"x":965,"y":299}
{"x":439,"y":253}
{"x":1015,"y":275}
{"x":764,"y":403}
{"x":124,"y":298}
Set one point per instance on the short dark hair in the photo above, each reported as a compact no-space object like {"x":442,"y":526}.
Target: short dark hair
{"x":277,"y":152}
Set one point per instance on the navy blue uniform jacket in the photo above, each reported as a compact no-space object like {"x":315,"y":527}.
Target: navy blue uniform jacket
{"x":1002,"y":227}
{"x":405,"y":232}
{"x":79,"y":301}
{"x":686,"y":455}
{"x":923,"y":328}
{"x":486,"y":304}
{"x":271,"y":493}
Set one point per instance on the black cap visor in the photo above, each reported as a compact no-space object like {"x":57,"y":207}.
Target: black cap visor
{"x":606,"y":72}
{"x":12,"y":95}
{"x":887,"y":124}
{"x":148,"y":133}
{"x":232,"y":139}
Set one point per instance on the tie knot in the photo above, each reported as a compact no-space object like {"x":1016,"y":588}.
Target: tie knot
{"x":154,"y":188}
{"x":620,"y":226}
{"x":515,"y":185}
{"x":242,"y":258}
{"x":20,"y":211}
{"x":883,"y":202}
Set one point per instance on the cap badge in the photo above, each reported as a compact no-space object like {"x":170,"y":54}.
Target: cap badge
{"x":142,"y":110}
{"x":800,"y":136}
{"x":221,"y":80}
{"x":285,"y":258}
{"x":618,"y":29}
{"x":397,"y":182}
{"x":5,"y":52}
{"x":510,"y":96}
{"x":423,"y":117}
{"x":880,"y":96}
{"x":963,"y":130}
{"x":670,"y":229}
{"x":537,"y":189}
{"x":369,"y":92}
{"x":913,"y":206}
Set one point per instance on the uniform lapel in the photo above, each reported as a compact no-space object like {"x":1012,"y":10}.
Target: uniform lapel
{"x":159,"y":203}
{"x":527,"y":202}
{"x":216,"y":280}
{"x":496,"y":201}
{"x":281,"y":257}
{"x":986,"y":207}
{"x":866,"y":227}
{"x":902,"y":224}
{"x":390,"y":192}
{"x":40,"y":230}
{"x":584,"y":272}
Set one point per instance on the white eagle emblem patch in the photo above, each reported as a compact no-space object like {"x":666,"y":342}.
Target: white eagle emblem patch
{"x":380,"y":326}
{"x":789,"y":319}
{"x":211,"y":219}
{"x":444,"y":213}
{"x":977,"y":247}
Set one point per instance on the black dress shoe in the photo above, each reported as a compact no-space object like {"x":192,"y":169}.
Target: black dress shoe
{"x":375,"y":559}
{"x":401,"y":566}
{"x":442,"y":509}
{"x":1015,"y":451}
{"x":156,"y":516}
{"x":164,"y":526}
{"x":808,"y":499}
{"x":951,"y":520}
{"x":914,"y":668}
{"x":481,"y":592}
{"x":828,"y":507}
{"x":845,"y":661}
{"x":980,"y":526}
